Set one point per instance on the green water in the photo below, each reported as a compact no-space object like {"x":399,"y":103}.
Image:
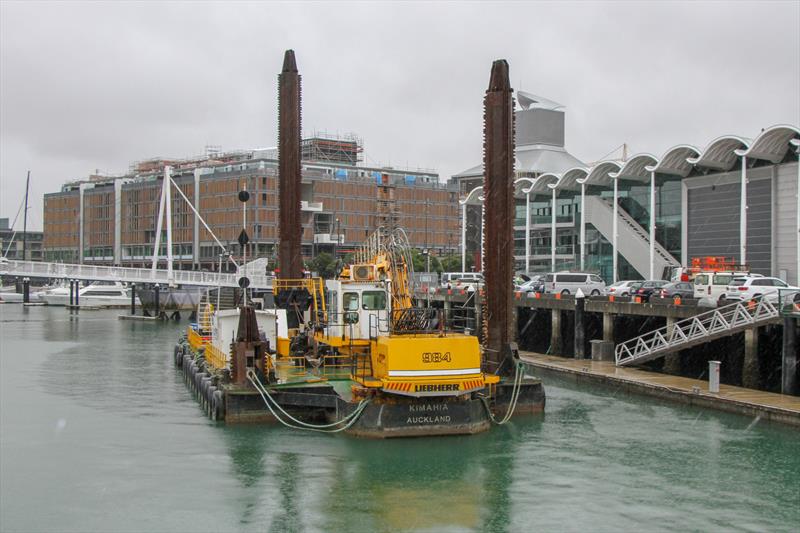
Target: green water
{"x":99,"y":433}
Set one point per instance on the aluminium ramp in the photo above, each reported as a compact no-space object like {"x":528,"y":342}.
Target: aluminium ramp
{"x":699,"y":329}
{"x":633,"y":242}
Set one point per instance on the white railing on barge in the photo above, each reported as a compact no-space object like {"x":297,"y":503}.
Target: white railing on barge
{"x":36,"y":269}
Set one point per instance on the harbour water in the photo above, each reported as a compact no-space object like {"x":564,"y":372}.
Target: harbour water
{"x":99,"y":433}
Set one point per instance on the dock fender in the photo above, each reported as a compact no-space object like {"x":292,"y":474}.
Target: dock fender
{"x":218,"y":406}
{"x":205,"y":383}
{"x":210,"y":397}
{"x":176,"y":353}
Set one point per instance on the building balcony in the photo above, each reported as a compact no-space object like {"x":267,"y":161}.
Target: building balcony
{"x":314,"y":207}
{"x":327,"y":238}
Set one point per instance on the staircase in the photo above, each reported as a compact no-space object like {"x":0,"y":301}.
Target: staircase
{"x":228,"y":298}
{"x":633,"y":242}
{"x":699,"y":329}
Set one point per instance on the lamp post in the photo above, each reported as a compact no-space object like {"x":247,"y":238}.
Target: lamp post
{"x":336,"y":245}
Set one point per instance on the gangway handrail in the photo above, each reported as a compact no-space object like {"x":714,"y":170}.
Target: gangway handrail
{"x":700,"y":328}
{"x":37,"y":269}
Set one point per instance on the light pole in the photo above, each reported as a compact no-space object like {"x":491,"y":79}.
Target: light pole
{"x":336,"y":246}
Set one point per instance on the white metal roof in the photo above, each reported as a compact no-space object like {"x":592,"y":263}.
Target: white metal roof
{"x":771,"y":144}
{"x":635,"y":168}
{"x":675,"y":161}
{"x":720,"y":154}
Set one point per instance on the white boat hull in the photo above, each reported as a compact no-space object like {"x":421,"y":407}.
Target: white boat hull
{"x":87,"y":301}
{"x":11,"y":297}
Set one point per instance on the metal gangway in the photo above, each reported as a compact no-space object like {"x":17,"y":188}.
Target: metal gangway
{"x":36,"y":269}
{"x":699,"y":329}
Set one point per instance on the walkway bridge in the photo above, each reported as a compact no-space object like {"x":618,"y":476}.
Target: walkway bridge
{"x":699,"y":329}
{"x":36,"y":269}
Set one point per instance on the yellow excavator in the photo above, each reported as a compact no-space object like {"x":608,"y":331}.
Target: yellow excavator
{"x":366,"y":318}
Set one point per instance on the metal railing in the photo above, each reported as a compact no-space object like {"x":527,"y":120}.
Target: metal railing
{"x":35,"y":269}
{"x":698,"y":329}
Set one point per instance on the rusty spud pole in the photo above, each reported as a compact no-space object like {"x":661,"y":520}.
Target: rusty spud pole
{"x":498,"y":186}
{"x":289,"y":179}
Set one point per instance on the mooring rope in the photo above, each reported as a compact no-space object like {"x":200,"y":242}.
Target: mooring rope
{"x":323,"y":428}
{"x":512,"y":405}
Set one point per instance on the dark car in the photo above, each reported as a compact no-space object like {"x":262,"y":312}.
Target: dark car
{"x":682,"y":289}
{"x":647,"y":288}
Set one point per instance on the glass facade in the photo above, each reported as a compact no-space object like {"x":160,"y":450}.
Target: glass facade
{"x":633,"y":198}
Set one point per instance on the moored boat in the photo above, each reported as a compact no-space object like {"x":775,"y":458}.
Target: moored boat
{"x":97,"y":294}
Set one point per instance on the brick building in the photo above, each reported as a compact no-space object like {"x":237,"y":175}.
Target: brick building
{"x":112,"y":220}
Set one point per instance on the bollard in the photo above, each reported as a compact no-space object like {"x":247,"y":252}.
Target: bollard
{"x":77,"y":293}
{"x":71,"y":292}
{"x":789,"y":357}
{"x":26,"y":290}
{"x":713,"y":376}
{"x":133,"y":299}
{"x":580,"y":304}
{"x":157,"y":303}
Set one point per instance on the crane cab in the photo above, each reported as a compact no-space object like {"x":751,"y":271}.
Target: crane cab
{"x":356,"y":309}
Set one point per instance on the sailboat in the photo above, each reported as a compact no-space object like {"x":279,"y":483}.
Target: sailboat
{"x":10,"y":293}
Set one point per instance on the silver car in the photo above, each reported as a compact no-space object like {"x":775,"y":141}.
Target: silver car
{"x":621,"y":288}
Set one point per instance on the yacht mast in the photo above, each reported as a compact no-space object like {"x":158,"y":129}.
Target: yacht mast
{"x":25,"y":219}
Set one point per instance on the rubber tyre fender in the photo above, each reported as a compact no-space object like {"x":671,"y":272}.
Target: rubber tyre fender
{"x":210,"y":400}
{"x":218,"y":406}
{"x":205,"y":383}
{"x":176,"y":352}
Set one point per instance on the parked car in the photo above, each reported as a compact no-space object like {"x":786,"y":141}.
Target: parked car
{"x":461,"y":280}
{"x":709,"y":286}
{"x":535,"y":284}
{"x":620,"y":288}
{"x":682,"y":289}
{"x":749,"y":287}
{"x":647,"y":288}
{"x":570,"y":282}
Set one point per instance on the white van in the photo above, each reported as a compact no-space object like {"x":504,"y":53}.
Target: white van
{"x":570,"y":282}
{"x":453,"y":280}
{"x":711,"y":286}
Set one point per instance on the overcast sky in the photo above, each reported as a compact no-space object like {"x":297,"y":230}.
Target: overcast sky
{"x":99,"y":85}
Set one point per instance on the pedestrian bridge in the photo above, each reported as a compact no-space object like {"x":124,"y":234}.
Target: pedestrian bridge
{"x":36,"y":269}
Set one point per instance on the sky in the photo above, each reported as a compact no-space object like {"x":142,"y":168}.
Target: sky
{"x":88,"y":87}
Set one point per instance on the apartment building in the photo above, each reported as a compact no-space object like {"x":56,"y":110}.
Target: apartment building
{"x":113,"y":219}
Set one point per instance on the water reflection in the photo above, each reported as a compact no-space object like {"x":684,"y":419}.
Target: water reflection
{"x":600,"y":459}
{"x":343,"y":483}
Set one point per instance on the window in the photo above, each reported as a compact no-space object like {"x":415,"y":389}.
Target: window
{"x":373,"y":300}
{"x":778,"y":283}
{"x":722,"y":279}
{"x":597,"y":279}
{"x":350,"y":301}
{"x":571,"y":278}
{"x":760,"y":283}
{"x":701,"y":279}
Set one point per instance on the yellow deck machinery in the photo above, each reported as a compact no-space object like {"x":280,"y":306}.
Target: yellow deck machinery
{"x":370,"y":323}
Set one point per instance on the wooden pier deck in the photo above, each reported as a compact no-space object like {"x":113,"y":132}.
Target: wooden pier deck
{"x":767,"y":405}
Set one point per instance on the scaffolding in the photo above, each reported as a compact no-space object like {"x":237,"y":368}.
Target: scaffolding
{"x":322,"y":146}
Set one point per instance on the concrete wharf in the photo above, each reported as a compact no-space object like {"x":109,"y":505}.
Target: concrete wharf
{"x":765,"y":405}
